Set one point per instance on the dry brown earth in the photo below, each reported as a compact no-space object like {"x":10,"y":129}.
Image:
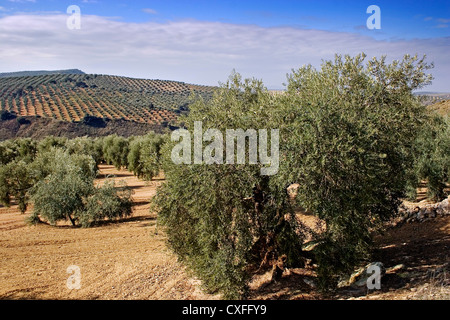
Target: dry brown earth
{"x":122,"y":260}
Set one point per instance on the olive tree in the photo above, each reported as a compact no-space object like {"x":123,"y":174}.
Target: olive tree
{"x":346,"y":137}
{"x":66,"y":191}
{"x":16,"y":181}
{"x":107,"y":202}
{"x":51,"y":142}
{"x":21,"y":149}
{"x":144,"y":155}
{"x":225,"y":220}
{"x":432,"y":158}
{"x":86,"y":146}
{"x":115,"y":150}
{"x":61,"y":194}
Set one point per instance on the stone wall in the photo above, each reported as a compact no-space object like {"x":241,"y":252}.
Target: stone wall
{"x":418,"y":212}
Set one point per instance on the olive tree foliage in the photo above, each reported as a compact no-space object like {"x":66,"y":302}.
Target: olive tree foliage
{"x":16,"y":176}
{"x":86,"y":146}
{"x":57,"y":175}
{"x":66,"y":191}
{"x":348,"y":130}
{"x":346,"y":136}
{"x":115,"y":150}
{"x":222,"y":219}
{"x":19,"y":169}
{"x":21,"y":149}
{"x":107,"y":202}
{"x":60,"y":194}
{"x":16,"y":179}
{"x":49,"y":142}
{"x":144,"y":155}
{"x":432,"y":161}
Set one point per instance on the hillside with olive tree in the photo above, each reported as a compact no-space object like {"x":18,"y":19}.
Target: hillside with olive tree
{"x":95,"y":100}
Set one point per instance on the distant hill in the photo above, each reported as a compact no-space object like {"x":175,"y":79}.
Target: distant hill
{"x":430,"y":98}
{"x":39,"y":73}
{"x":441,"y":107}
{"x":73,"y":96}
{"x":38,"y":128}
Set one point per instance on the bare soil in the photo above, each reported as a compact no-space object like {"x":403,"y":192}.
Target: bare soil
{"x":129,"y":259}
{"x":126,"y":259}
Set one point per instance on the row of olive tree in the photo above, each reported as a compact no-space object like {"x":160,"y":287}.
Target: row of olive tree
{"x":139,"y":154}
{"x":349,"y":135}
{"x":57,"y":175}
{"x":432,"y":158}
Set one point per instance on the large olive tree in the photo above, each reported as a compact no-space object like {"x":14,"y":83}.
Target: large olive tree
{"x":346,"y":136}
{"x":349,"y":130}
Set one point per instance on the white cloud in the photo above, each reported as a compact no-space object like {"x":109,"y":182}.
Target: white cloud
{"x":149,"y":10}
{"x":21,"y":1}
{"x":191,"y":51}
{"x":443,"y":23}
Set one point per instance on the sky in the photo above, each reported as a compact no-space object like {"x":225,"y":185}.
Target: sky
{"x":202,"y":42}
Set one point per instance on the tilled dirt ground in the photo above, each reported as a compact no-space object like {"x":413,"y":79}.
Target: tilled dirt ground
{"x":121,"y":260}
{"x":129,"y":259}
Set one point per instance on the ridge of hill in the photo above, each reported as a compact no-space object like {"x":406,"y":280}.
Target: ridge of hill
{"x":39,"y":73}
{"x":71,"y":97}
{"x":429,"y":98}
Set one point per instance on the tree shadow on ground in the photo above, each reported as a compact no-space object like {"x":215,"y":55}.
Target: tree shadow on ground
{"x":113,"y":176}
{"x":422,"y":248}
{"x":102,"y":223}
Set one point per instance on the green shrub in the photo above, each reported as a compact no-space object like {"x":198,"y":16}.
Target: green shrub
{"x":6,"y":115}
{"x":23,"y":120}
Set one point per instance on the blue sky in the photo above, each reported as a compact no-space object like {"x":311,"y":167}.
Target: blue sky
{"x":400,"y":19}
{"x":200,"y":28}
